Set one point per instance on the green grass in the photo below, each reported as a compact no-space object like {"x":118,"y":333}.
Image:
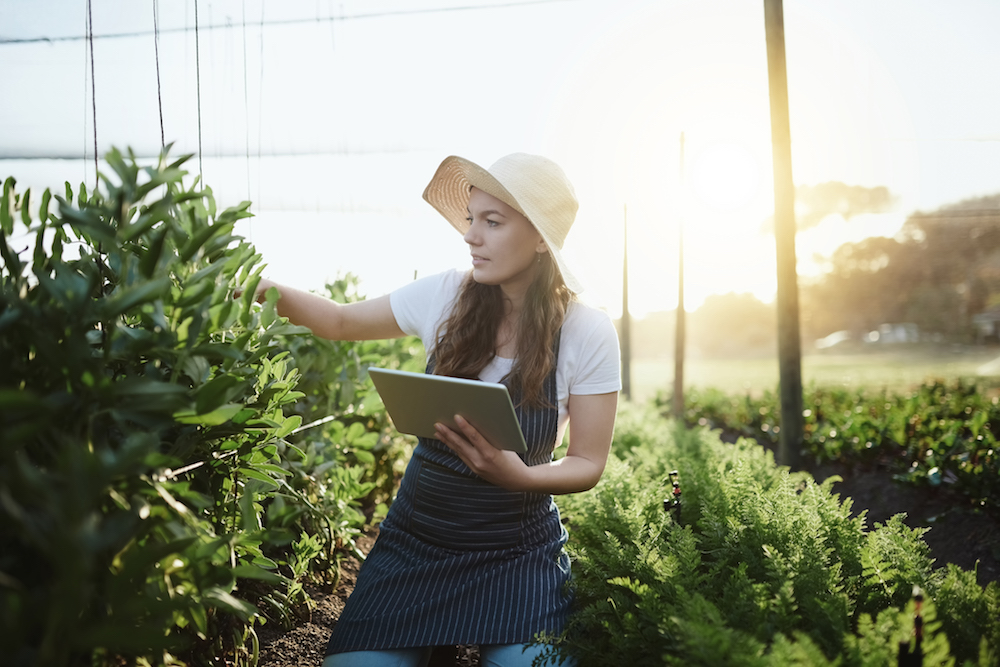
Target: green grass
{"x":897,"y":369}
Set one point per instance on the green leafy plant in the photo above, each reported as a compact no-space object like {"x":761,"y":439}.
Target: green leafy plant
{"x":939,"y":435}
{"x":141,"y":411}
{"x":349,"y":458}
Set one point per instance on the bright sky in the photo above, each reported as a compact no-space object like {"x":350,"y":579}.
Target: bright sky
{"x":333,"y":124}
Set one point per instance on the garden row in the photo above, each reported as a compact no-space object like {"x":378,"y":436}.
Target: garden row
{"x":755,"y":566}
{"x":942,"y":434}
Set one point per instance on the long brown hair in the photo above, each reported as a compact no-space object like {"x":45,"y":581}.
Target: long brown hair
{"x":467,"y":339}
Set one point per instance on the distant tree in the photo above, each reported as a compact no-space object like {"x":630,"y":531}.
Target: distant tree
{"x":856,"y":294}
{"x":940,"y":270}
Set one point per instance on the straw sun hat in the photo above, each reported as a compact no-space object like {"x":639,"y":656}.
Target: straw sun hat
{"x":532,"y":185}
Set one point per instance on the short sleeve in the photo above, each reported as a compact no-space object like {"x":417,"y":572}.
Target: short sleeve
{"x":421,"y":306}
{"x":593,"y":354}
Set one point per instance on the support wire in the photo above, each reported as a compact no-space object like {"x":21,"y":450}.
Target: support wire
{"x":93,"y":86}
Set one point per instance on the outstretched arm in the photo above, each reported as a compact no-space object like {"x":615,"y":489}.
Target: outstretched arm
{"x":591,"y":427}
{"x":364,"y":320}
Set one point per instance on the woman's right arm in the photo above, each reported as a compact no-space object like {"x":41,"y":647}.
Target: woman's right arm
{"x":370,"y":319}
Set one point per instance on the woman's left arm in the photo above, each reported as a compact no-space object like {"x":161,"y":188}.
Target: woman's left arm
{"x":591,"y":427}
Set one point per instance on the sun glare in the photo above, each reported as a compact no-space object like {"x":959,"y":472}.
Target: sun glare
{"x":725,"y":176}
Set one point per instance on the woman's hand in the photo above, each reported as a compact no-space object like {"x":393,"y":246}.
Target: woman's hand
{"x":258,"y":295}
{"x":497,"y":466}
{"x":591,"y":427}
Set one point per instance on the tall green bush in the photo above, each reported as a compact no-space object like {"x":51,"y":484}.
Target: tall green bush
{"x":141,"y":413}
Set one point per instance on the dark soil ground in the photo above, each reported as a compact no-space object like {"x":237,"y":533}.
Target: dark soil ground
{"x":959,"y":534}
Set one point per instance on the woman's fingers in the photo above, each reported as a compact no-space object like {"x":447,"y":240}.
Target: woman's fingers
{"x":262,"y":285}
{"x":501,"y":468}
{"x":456,"y":440}
{"x":474,"y":437}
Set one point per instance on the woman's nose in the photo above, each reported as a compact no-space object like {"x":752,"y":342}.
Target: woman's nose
{"x":472,"y":235}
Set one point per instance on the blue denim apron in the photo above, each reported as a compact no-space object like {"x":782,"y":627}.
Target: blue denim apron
{"x":459,"y":560}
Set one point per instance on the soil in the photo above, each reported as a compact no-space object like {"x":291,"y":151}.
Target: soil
{"x":959,"y":532}
{"x":966,"y":536}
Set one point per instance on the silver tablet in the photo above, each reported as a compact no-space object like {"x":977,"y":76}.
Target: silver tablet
{"x":417,"y":401}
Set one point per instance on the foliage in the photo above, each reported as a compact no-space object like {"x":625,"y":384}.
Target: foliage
{"x":938,"y":272}
{"x":760,"y":566}
{"x":152,"y":493}
{"x":943,"y":434}
{"x":351,"y":457}
{"x":334,"y":381}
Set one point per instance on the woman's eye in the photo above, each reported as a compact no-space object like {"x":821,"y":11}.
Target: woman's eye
{"x":492,"y":223}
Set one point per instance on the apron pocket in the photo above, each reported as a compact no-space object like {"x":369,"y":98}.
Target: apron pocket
{"x":464,"y":513}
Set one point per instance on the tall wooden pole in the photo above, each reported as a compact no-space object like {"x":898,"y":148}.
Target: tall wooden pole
{"x":789,"y":344}
{"x":680,"y":321}
{"x":626,"y":318}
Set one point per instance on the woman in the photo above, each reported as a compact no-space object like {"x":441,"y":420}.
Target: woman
{"x":471,"y":550}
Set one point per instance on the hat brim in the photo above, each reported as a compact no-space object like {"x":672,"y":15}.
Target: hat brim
{"x":448,"y":192}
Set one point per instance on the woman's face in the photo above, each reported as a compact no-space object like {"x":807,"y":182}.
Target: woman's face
{"x":505,"y":247}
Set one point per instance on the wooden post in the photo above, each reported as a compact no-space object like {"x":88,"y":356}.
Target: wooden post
{"x":680,"y":321}
{"x":626,"y":318}
{"x":789,"y":343}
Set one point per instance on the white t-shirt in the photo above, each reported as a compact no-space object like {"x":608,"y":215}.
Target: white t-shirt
{"x":589,"y":359}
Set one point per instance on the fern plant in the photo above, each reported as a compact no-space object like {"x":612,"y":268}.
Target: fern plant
{"x":761,"y":567}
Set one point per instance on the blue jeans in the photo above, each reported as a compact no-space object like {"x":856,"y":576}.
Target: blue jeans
{"x":497,"y":655}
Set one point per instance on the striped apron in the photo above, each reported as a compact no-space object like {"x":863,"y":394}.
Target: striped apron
{"x":459,"y":560}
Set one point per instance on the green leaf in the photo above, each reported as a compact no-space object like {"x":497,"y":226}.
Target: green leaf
{"x":270,"y":467}
{"x":143,"y":224}
{"x":123,"y":300}
{"x":227,"y":602}
{"x":263,"y":561}
{"x":6,"y":220}
{"x":249,"y":517}
{"x":247,"y":297}
{"x":201,"y":238}
{"x":199,"y":615}
{"x":26,"y":208}
{"x":286,"y":330}
{"x":216,"y":417}
{"x":259,"y":476}
{"x":290,"y":424}
{"x":151,"y":257}
{"x":40,"y":260}
{"x":363,"y":456}
{"x":255,"y":572}
{"x":216,"y":392}
{"x":89,"y":221}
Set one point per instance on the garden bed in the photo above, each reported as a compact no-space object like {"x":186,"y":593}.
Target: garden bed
{"x":958,"y":534}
